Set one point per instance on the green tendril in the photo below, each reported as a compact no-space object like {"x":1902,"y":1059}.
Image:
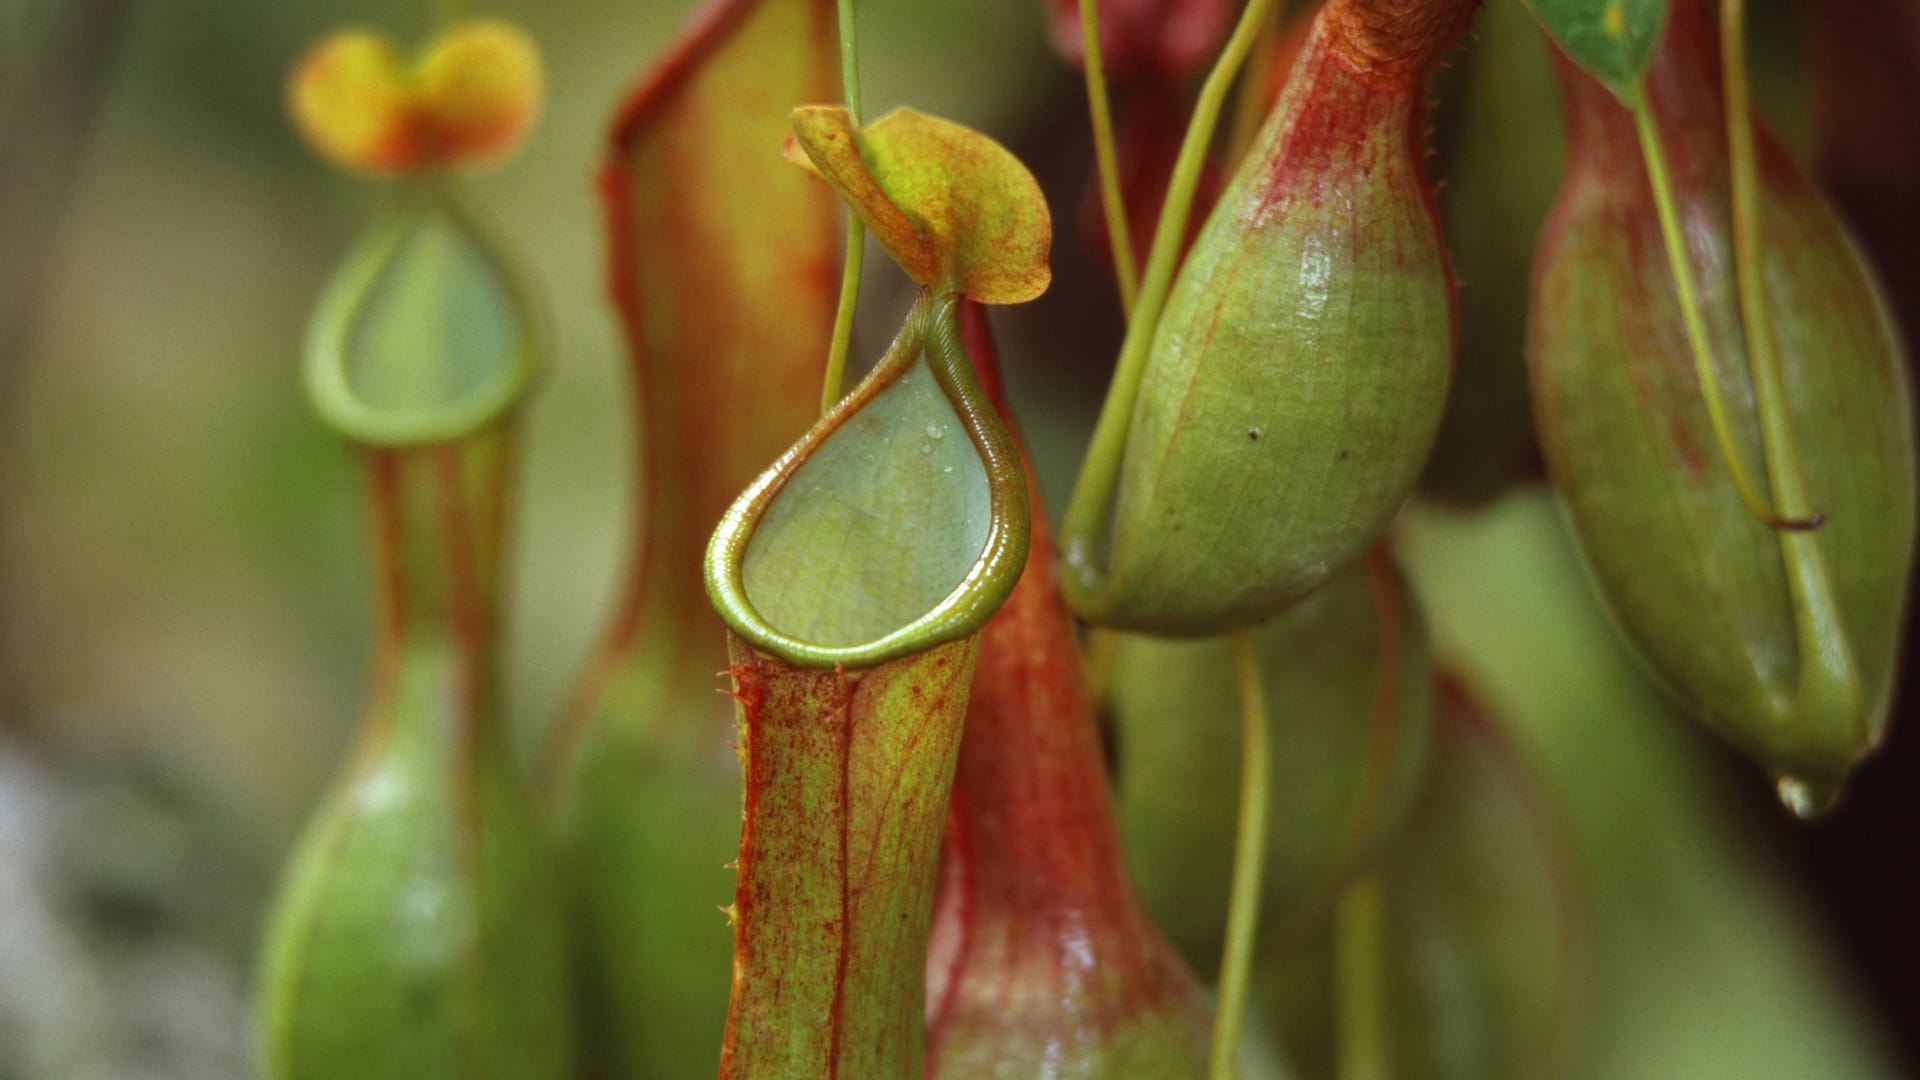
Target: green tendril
{"x":1249,"y":855}
{"x":1829,"y":679}
{"x":1250,"y":106}
{"x":836,"y":373}
{"x":1359,"y":958}
{"x":1691,"y":314}
{"x":1082,"y":577}
{"x":1119,"y":230}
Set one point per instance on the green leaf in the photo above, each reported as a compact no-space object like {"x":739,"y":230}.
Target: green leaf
{"x":1611,"y":39}
{"x":424,"y":334}
{"x":955,"y":209}
{"x":898,"y":523}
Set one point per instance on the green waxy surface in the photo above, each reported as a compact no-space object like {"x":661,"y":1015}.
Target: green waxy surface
{"x":421,"y":934}
{"x":1299,"y":371}
{"x":1349,"y":695}
{"x":1697,"y":585}
{"x":421,"y":930}
{"x":1042,"y":962}
{"x":879,"y":524}
{"x":1611,"y":39}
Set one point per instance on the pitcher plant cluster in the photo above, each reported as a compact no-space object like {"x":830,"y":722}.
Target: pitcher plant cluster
{"x":932,"y":859}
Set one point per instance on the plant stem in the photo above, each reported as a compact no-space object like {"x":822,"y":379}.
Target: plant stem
{"x":1099,"y":657}
{"x":1251,"y":104}
{"x":1119,"y":230}
{"x":856,"y":233}
{"x":1828,"y":680}
{"x":1769,"y":390}
{"x":1249,"y":853}
{"x":1093,"y":493}
{"x":448,"y":12}
{"x":1690,"y":311}
{"x":1359,"y":995}
{"x":1828,"y":675}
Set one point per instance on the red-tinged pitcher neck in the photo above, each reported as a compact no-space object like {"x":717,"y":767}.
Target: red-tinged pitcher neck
{"x":435,"y":517}
{"x":1031,"y":793}
{"x":1393,"y":41}
{"x":1033,"y":854}
{"x":1031,"y":803}
{"x":1340,"y":101}
{"x":1034,"y":889}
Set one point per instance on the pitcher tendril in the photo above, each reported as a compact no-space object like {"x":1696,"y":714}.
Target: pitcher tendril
{"x":1119,"y":229}
{"x":1710,"y":391}
{"x":1763,"y":359}
{"x":856,"y":233}
{"x":1252,"y":102}
{"x":1093,"y":493}
{"x":1249,"y":857}
{"x":1359,"y":998}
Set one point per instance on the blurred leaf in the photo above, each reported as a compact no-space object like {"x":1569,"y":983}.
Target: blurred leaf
{"x":352,"y":99}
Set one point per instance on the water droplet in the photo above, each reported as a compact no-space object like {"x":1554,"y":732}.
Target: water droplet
{"x":947,"y":469}
{"x":1805,"y":801}
{"x":935,"y":431}
{"x":926,"y":447}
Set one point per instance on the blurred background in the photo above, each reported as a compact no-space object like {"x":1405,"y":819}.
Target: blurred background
{"x":183,"y":590}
